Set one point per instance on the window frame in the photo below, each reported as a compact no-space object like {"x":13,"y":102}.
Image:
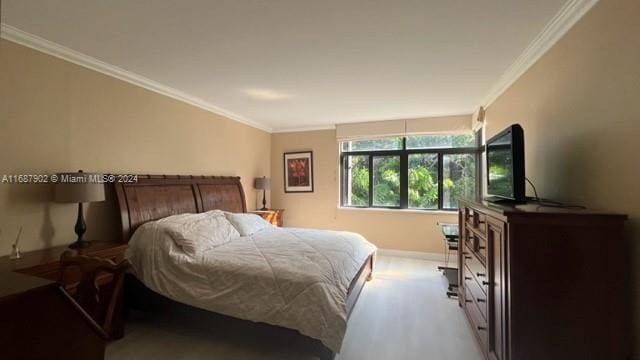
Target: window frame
{"x":404,"y":172}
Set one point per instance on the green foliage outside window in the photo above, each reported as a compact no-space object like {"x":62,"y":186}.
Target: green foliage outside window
{"x":390,"y":143}
{"x":440,"y":141}
{"x":359,"y":170}
{"x":459,"y":179}
{"x":386,"y":180}
{"x":459,"y":172}
{"x":423,"y":181}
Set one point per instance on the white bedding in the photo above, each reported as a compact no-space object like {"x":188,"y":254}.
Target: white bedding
{"x":295,"y":278}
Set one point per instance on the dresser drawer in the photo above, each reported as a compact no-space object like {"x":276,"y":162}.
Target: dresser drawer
{"x":481,"y":248}
{"x":477,"y":268}
{"x":475,"y":220}
{"x":469,"y":238}
{"x":479,"y":293}
{"x":478,"y":323}
{"x":476,"y":242}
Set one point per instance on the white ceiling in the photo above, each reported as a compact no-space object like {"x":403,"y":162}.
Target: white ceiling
{"x":302,"y":64}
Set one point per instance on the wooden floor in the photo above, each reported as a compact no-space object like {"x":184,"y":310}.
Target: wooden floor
{"x":403,"y":313}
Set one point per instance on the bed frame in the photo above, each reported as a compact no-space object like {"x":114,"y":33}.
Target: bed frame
{"x":154,"y":197}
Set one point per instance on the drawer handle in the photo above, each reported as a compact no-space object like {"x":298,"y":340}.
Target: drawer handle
{"x":467,"y":277}
{"x":482,"y":247}
{"x":481,"y":300}
{"x":468,"y":301}
{"x":481,"y":275}
{"x":482,"y":328}
{"x":486,"y":283}
{"x":481,"y":221}
{"x":467,"y":257}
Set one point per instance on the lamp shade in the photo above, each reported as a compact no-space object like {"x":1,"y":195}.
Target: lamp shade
{"x":263,"y":183}
{"x":78,"y":188}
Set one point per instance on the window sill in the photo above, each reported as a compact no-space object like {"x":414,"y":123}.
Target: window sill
{"x":401,"y":211}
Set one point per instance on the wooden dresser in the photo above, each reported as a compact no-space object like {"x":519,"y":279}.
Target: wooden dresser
{"x":45,"y":264}
{"x":274,"y":216}
{"x":543,"y":282}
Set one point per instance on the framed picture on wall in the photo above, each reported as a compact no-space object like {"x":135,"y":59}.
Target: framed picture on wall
{"x":298,"y":171}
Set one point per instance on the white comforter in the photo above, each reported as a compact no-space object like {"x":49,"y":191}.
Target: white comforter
{"x":295,"y":278}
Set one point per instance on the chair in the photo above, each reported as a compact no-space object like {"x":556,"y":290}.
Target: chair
{"x":100,"y":285}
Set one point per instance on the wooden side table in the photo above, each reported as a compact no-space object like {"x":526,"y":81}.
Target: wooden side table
{"x":45,"y":264}
{"x":274,"y":216}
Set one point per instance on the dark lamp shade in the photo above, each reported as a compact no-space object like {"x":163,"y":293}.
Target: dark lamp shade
{"x":78,"y":188}
{"x":262,"y":183}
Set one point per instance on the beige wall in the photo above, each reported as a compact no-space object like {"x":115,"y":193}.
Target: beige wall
{"x":56,"y":116}
{"x":579,"y":106}
{"x":389,"y":229}
{"x":580,"y":110}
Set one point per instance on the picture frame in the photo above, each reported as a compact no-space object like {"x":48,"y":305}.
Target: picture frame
{"x":298,"y":172}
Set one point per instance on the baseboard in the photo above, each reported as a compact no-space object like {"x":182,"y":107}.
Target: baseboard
{"x":414,"y":255}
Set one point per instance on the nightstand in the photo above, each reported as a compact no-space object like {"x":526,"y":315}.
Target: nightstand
{"x":45,"y":263}
{"x":274,"y":216}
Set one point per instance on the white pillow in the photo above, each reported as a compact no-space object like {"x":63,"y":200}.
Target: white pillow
{"x":196,"y":233}
{"x":247,"y":224}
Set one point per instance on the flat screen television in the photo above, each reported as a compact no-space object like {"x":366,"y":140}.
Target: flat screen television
{"x":505,"y":166}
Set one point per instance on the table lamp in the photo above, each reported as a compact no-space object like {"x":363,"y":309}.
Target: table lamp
{"x":79,"y":188}
{"x":263,"y":184}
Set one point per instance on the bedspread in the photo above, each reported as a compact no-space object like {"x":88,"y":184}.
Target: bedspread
{"x":295,"y":278}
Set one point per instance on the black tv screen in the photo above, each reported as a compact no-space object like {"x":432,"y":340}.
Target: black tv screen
{"x":505,"y":165}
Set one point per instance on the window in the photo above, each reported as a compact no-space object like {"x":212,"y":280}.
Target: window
{"x":459,"y":178}
{"x":386,"y":181}
{"x":423,"y":181}
{"x":425,"y":172}
{"x":441,"y":141}
{"x":357,"y":171}
{"x":392,"y":143}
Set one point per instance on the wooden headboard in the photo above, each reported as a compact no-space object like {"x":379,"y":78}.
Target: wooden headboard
{"x":153,"y":197}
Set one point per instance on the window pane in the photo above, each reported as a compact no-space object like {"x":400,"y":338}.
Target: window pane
{"x":423,"y":181}
{"x":357,"y":181}
{"x":386,"y":181}
{"x":440,"y":141}
{"x":390,"y":143}
{"x":459,"y":179}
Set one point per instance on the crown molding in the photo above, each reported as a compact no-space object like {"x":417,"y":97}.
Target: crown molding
{"x":303,"y":128}
{"x":24,"y":38}
{"x":569,"y":14}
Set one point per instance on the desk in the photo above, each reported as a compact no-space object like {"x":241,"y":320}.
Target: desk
{"x":451,"y":235}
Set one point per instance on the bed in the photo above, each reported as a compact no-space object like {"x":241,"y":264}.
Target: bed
{"x":318,"y":273}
